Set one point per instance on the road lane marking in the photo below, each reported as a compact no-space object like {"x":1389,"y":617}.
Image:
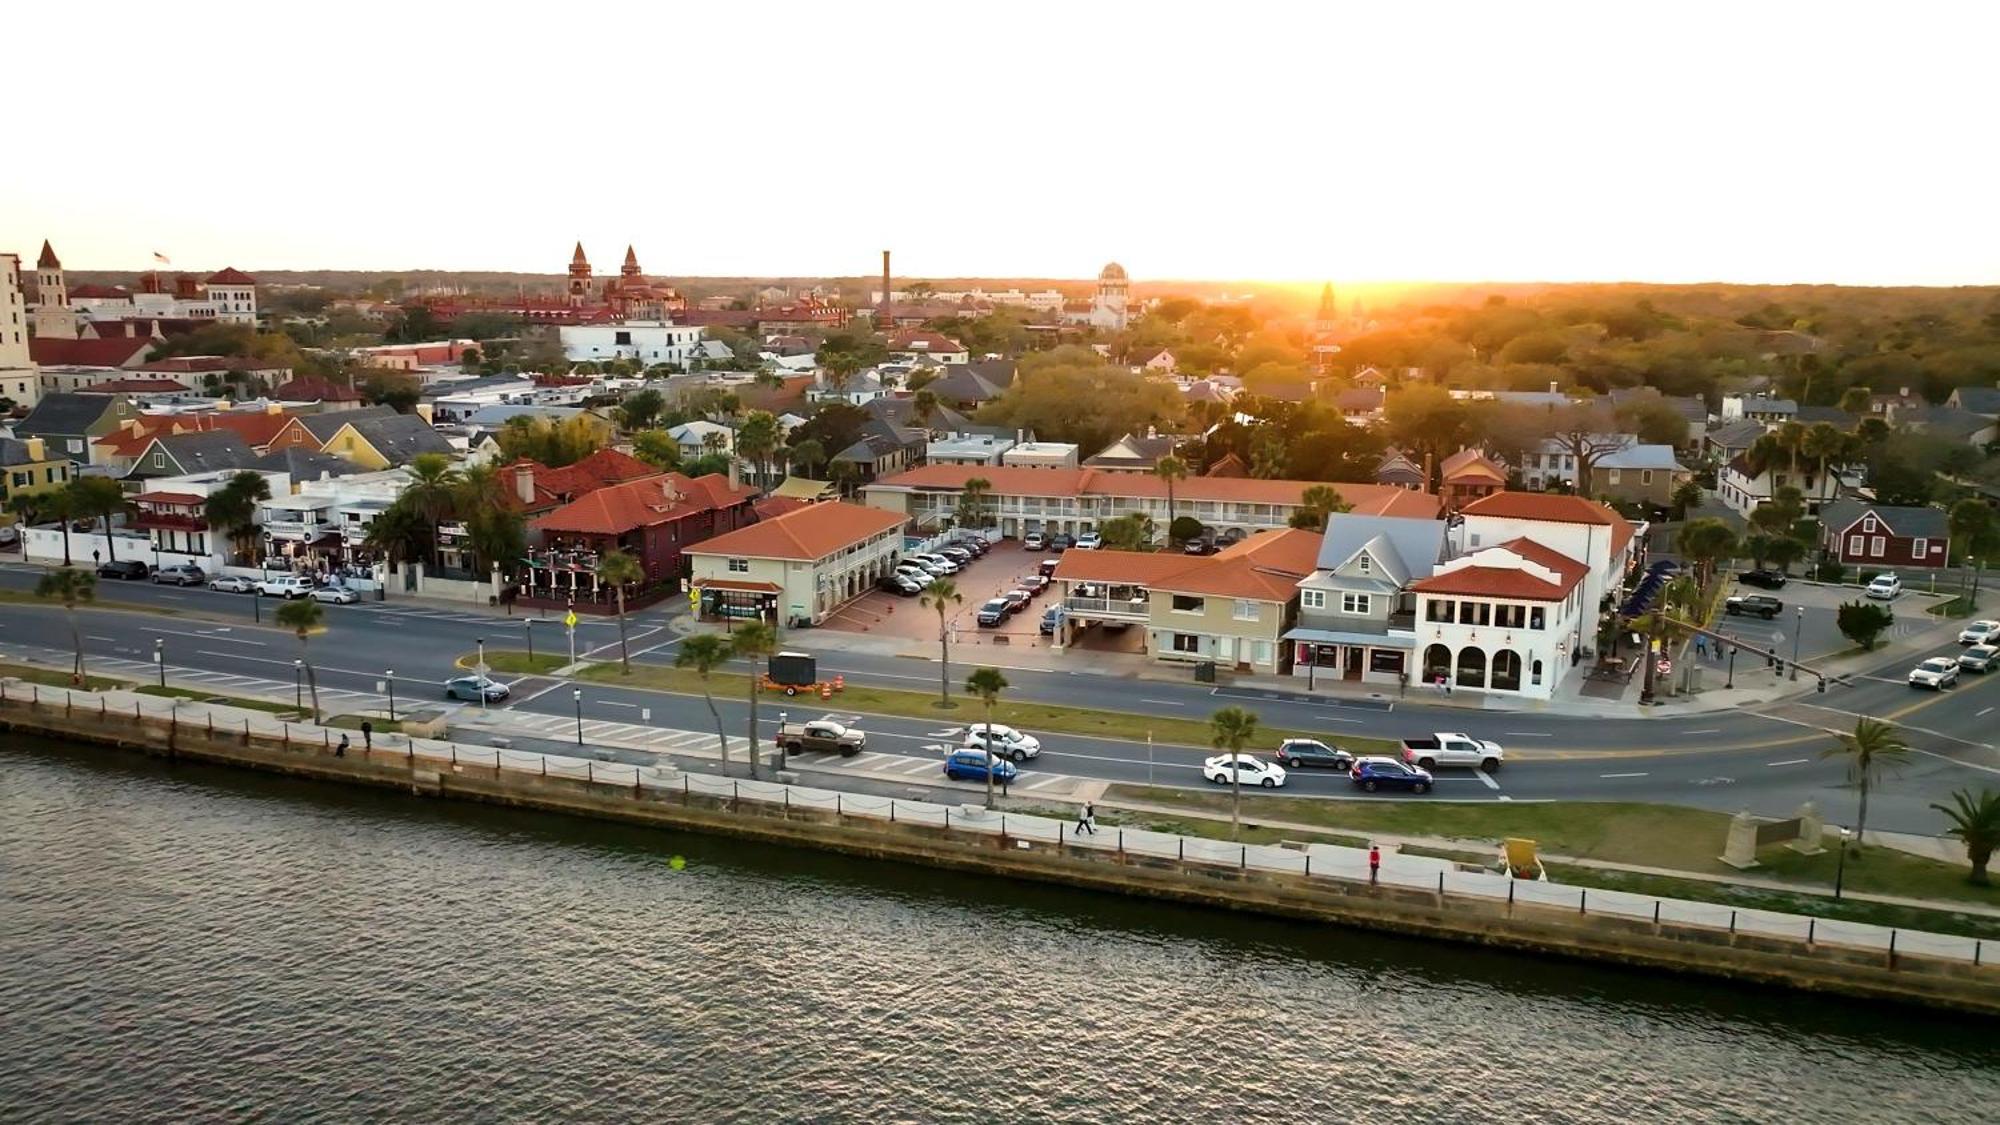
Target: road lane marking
{"x":1334,"y":719}
{"x":1525,"y":734}
{"x":213,"y":635}
{"x":1488,"y":779}
{"x":1704,"y":730}
{"x":1163,"y":702}
{"x":612,"y":703}
{"x":1622,"y":775}
{"x":1983,"y":713}
{"x":1790,"y":762}
{"x":95,"y":637}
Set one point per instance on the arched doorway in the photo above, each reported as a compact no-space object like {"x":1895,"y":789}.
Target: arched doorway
{"x":1471,"y":668}
{"x":1538,"y":672}
{"x":1437,"y":662}
{"x":1506,"y":670}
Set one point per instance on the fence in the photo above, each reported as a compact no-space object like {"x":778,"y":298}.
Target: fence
{"x":127,"y":718}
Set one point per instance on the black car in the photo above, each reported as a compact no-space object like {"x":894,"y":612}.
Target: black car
{"x":1768,"y":579}
{"x":900,"y":586}
{"x":1052,"y":616}
{"x":994,"y":612}
{"x":1033,"y":583}
{"x":1295,"y":753}
{"x":1757,"y":605}
{"x":1061,"y":543}
{"x":127,"y":569}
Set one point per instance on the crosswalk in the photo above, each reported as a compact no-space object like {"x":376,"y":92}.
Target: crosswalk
{"x":663,"y":740}
{"x":222,"y":683}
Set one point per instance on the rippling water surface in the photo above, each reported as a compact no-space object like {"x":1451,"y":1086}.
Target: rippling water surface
{"x":194,"y":944}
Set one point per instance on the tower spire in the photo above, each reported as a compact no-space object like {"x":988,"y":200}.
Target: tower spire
{"x":48,"y":260}
{"x":631,"y":266}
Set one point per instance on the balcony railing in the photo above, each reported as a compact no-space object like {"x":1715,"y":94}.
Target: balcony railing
{"x":1405,"y":622}
{"x":168,"y":521}
{"x":1117,"y":609}
{"x":294,"y":529}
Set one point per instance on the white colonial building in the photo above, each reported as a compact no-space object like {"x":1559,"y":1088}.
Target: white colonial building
{"x":1505,"y":619}
{"x":1584,"y":531}
{"x":648,"y":341}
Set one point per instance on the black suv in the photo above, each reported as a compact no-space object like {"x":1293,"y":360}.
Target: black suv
{"x":128,"y":569}
{"x":1760,"y":605}
{"x":1768,"y":579}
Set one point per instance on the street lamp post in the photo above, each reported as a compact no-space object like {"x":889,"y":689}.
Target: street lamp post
{"x":298,"y":683}
{"x":1798,"y":626}
{"x":390,"y":675}
{"x":530,"y":623}
{"x":160,"y":658}
{"x":1840,"y":865}
{"x":1732,"y":666}
{"x":780,"y":740}
{"x":577,"y":694}
{"x":481,"y":671}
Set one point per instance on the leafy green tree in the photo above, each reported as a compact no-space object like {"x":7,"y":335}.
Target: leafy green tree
{"x":1707,"y":543}
{"x":1654,"y":421}
{"x":705,"y":652}
{"x":1184,"y":529}
{"x":1229,"y":730}
{"x":1872,"y":750}
{"x":1975,"y":821}
{"x":71,"y":587}
{"x":754,"y":641}
{"x":641,"y":408}
{"x":618,"y":570}
{"x":102,"y":499}
{"x":1045,"y":396}
{"x":304,"y":617}
{"x":1854,"y":400}
{"x":1132,"y":531}
{"x":432,"y":492}
{"x":757,"y":441}
{"x":1319,"y":502}
{"x":1687,"y":495}
{"x":807,"y":454}
{"x":974,"y":502}
{"x":987,"y":684}
{"x":657,"y":448}
{"x":231,"y":511}
{"x":941,"y":594}
{"x":1863,"y":622}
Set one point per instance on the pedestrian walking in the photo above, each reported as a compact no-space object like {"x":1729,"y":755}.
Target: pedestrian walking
{"x":367,"y":735}
{"x":340,"y":751}
{"x":1374,"y":864}
{"x":1700,"y":647}
{"x":1086,"y":821}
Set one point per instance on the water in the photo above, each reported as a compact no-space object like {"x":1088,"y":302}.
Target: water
{"x":188,"y":943}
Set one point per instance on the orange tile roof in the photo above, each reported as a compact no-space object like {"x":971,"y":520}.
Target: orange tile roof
{"x":258,"y":429}
{"x":1554,"y":507}
{"x":1535,"y":552}
{"x":1265,"y":567}
{"x":184,"y":499}
{"x":811,"y":532}
{"x":605,"y":466}
{"x":1509,"y":582}
{"x":1018,"y":480}
{"x":648,"y":502}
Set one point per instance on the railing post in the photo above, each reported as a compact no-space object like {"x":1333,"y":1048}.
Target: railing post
{"x":288,"y":736}
{"x":1892,"y":949}
{"x":1732,"y":922}
{"x":1440,"y":886}
{"x":1242,"y":857}
{"x":246,"y":732}
{"x":1510,"y":898}
{"x":1121,"y":854}
{"x":1812,"y":929}
{"x":947,"y":818}
{"x":1656,"y":914}
{"x":1582,"y":897}
{"x":1309,"y":864}
{"x":1976,"y":943}
{"x":892,"y":810}
{"x":1180,"y":843}
{"x":837,"y":811}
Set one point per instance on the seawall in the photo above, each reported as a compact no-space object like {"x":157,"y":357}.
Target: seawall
{"x":1146,"y":864}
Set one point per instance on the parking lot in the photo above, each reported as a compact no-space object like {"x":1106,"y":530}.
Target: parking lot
{"x":1818,"y":636}
{"x":883,"y":614}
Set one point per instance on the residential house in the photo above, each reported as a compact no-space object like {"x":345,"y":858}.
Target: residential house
{"x":859,"y":389}
{"x":1213,"y":392}
{"x":1369,"y":376}
{"x":971,"y":449}
{"x":974,"y":384}
{"x":1584,"y":530}
{"x":534,"y":489}
{"x":329,"y":397}
{"x":301,"y":463}
{"x":262,"y":430}
{"x":1691,"y":408}
{"x":1883,"y":537}
{"x":1042,"y":455}
{"x":1759,"y":407}
{"x":324,"y":522}
{"x":179,"y":455}
{"x":911,"y":344}
{"x":1887,"y":404}
{"x":1151,"y":361}
{"x":1356,"y":612}
{"x":1983,"y":401}
{"x":1232,"y":608}
{"x":1631,"y":471}
{"x":797,"y":567}
{"x":1951,"y":424}
{"x":1726,"y":441}
{"x":1074,"y":500}
{"x":1398,"y":471}
{"x":1505,"y":619}
{"x":386,"y":442}
{"x":883,"y":450}
{"x":1467,"y":476}
{"x":1361,"y":406}
{"x":1133,"y":453}
{"x":1741,"y":486}
{"x":176,"y":521}
{"x":321,"y":428}
{"x":701,"y":438}
{"x":67,"y":422}
{"x":27,"y":467}
{"x":123,"y":352}
{"x":654,"y":519}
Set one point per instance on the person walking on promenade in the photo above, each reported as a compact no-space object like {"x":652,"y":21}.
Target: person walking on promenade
{"x":1086,"y":821}
{"x":1374,"y":864}
{"x":367,"y":735}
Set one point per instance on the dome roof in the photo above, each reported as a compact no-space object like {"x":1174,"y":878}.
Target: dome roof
{"x":1112,"y":272}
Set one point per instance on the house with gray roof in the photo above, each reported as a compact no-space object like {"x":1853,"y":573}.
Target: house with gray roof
{"x":203,"y":451}
{"x":300,"y":464}
{"x":323,"y":426}
{"x":1133,"y":453}
{"x":1951,"y":424}
{"x":70,"y":423}
{"x":883,"y":450}
{"x":971,"y":384}
{"x":1885,"y":537}
{"x":397,"y":440}
{"x":1976,"y":400}
{"x":1356,"y":614}
{"x":1731,"y":438}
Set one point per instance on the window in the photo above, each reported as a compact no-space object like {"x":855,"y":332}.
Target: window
{"x":1260,"y":652}
{"x":1854,"y":546}
{"x":1646,"y":476}
{"x":1187,"y":642}
{"x":159,"y":460}
{"x":1312,"y":599}
{"x":1474,"y":540}
{"x":1364,"y":564}
{"x":1614,"y":476}
{"x":1356,"y":603}
{"x":1246,"y":610}
{"x":1919,"y":548}
{"x":739,"y":566}
{"x":622,"y":338}
{"x":1875,"y":546}
{"x":1185,"y":604}
{"x":1510,"y":616}
{"x":1535,"y":618}
{"x":1868,"y":523}
{"x":1439,"y":610}
{"x":1475,"y":613}
{"x":76,"y":445}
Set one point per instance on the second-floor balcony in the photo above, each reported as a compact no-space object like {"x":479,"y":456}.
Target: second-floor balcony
{"x":145,"y":520}
{"x":293,"y":526}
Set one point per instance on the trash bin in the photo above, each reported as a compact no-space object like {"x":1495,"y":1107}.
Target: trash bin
{"x":1204,"y":672}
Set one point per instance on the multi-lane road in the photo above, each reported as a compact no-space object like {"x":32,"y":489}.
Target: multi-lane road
{"x":1765,"y":759}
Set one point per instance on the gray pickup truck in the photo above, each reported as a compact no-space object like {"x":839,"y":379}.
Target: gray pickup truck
{"x":821,"y":735}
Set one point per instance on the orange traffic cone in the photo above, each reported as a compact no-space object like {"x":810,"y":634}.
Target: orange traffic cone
{"x":840,"y":683}
{"x":826,"y":691}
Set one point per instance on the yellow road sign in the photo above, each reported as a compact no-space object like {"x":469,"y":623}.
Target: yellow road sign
{"x":569,"y":619}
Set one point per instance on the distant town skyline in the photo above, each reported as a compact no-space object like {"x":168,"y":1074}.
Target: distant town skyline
{"x":1774,"y":143}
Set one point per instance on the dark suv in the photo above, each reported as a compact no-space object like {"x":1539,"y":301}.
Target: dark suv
{"x":1295,"y":753}
{"x":1758,"y":605}
{"x":128,"y":569}
{"x":1768,"y":579}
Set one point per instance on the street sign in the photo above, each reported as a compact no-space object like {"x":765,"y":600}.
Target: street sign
{"x":1777,"y":638}
{"x":569,"y":619}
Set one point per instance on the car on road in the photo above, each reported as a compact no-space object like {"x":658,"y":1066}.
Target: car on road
{"x":1767,"y":578}
{"x":232,"y":584}
{"x":1247,"y":770}
{"x":472,"y":688}
{"x":994,"y":612}
{"x":821,"y":735}
{"x":1939,"y":672}
{"x":127,"y":569}
{"x":1371,"y":774}
{"x":1294,"y":753}
{"x":1051,"y":617}
{"x":1089,"y":541}
{"x":1753,"y":605}
{"x":1034,"y":541}
{"x":1446,"y":749}
{"x":973,"y":765}
{"x":180,"y":574}
{"x":1885,"y":586}
{"x":900,"y":584}
{"x":285,"y":586}
{"x":334,"y":595}
{"x":1980,"y":633}
{"x":1004,"y":741}
{"x":1979,"y":658}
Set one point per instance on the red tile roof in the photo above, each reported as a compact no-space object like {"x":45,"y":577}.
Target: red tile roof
{"x":258,"y":429}
{"x":139,"y":387}
{"x":103,"y":292}
{"x":197,"y":364}
{"x":923,"y":340}
{"x":184,"y":499}
{"x":115,"y":352}
{"x":1016,"y":480}
{"x":605,"y":466}
{"x":771,"y":507}
{"x":618,"y":508}
{"x":1552,"y":507}
{"x":1506,"y":581}
{"x":1266,"y":567}
{"x":231,"y":276}
{"x":812,"y":532}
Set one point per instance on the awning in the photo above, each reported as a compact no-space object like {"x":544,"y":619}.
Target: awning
{"x":1407,"y":642}
{"x":802,"y":488}
{"x":732,"y":584}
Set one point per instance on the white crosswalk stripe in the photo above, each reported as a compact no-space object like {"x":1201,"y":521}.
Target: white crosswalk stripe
{"x":1042,"y":782}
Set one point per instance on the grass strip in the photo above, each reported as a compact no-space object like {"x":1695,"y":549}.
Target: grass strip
{"x":27,"y":597}
{"x":56,"y":677}
{"x":263,"y":705}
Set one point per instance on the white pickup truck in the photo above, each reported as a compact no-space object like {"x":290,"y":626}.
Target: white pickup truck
{"x":1453,"y":750}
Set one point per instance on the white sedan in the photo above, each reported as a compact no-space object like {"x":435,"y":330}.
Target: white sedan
{"x":334,"y":595}
{"x":1980,"y":633}
{"x":1247,"y":770}
{"x":1004,"y":741}
{"x":1938,"y":672}
{"x":232,"y":584}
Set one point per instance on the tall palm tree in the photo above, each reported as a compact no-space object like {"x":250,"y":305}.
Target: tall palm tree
{"x":972,"y":498}
{"x":754,"y":641}
{"x":987,"y":684}
{"x":924,"y":403}
{"x":940,"y":594}
{"x":1821,"y":443}
{"x":303,"y":617}
{"x":619,"y":570}
{"x":756,"y":440}
{"x":1229,"y":729}
{"x":432,"y":488}
{"x":101,"y":498}
{"x":1871,"y":750}
{"x":56,"y":504}
{"x":1706,"y":542}
{"x":1172,"y":470}
{"x":705,"y":652}
{"x":1976,"y":823}
{"x":1792,"y":438}
{"x":231,"y":511}
{"x":70,"y":587}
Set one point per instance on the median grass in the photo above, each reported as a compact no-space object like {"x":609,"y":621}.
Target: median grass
{"x":263,"y":705}
{"x":353,"y":722}
{"x":516,"y":663}
{"x":1960,"y":606}
{"x":56,"y":677}
{"x":27,"y":597}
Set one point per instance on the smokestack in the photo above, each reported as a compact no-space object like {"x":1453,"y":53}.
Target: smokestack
{"x":888,"y":308}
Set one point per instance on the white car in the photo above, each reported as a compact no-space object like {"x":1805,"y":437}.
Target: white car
{"x":1248,"y":770}
{"x":1089,"y":541}
{"x":1939,"y":672}
{"x":1885,"y":586}
{"x":1980,"y":633}
{"x":334,"y":595}
{"x":944,"y":565}
{"x":232,"y":584}
{"x":1004,"y":741}
{"x":286,"y":586}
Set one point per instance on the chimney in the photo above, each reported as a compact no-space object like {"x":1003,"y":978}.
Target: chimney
{"x":888,"y":306}
{"x":733,"y":482}
{"x":1427,"y":473}
{"x":524,"y":483}
{"x":36,"y":450}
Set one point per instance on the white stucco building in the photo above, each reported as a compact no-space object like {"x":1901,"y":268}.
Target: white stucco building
{"x":802,"y":565}
{"x":1585,"y":531}
{"x":1504,"y":619}
{"x":648,"y":341}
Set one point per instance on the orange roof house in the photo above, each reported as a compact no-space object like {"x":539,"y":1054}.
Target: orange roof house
{"x":655,"y":519}
{"x":1468,"y":475}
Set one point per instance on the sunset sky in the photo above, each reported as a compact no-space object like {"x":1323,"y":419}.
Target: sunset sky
{"x":1757,"y":142}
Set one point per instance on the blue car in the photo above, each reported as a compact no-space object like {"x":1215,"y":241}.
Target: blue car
{"x":1388,"y":773}
{"x":971,"y":765}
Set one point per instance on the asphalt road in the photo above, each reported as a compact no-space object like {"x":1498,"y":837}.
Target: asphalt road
{"x":1764,"y":759}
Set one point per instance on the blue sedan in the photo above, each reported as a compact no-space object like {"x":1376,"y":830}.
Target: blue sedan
{"x":1388,"y":773}
{"x":971,"y":765}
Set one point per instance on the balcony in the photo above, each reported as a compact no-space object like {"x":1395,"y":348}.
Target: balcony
{"x":1404,"y":621}
{"x":1136,"y":611}
{"x":168,"y":521}
{"x":303,"y":530}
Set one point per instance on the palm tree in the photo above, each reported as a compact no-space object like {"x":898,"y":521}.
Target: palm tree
{"x":102,"y":498}
{"x":303,"y":616}
{"x":1229,"y":729}
{"x":808,"y":454}
{"x":70,"y":586}
{"x":1172,"y":470}
{"x":1792,"y":438}
{"x":754,"y":641}
{"x":940,"y":594}
{"x":1976,"y":822}
{"x":1873,"y":748}
{"x":924,"y":403}
{"x":57,"y":505}
{"x":432,"y":488}
{"x":1706,"y":542}
{"x":705,"y":652}
{"x":987,"y":684}
{"x":231,"y":511}
{"x":972,"y":499}
{"x":619,"y":570}
{"x":756,"y":440}
{"x":1821,"y":443}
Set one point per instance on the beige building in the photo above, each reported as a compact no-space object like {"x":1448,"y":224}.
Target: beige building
{"x":798,"y":567}
{"x":18,"y":379}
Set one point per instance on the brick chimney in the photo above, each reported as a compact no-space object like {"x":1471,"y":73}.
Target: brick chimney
{"x":524,"y":483}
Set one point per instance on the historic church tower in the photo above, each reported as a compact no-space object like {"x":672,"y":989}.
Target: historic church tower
{"x":579,"y":278}
{"x":1325,"y":330}
{"x":51,"y":314}
{"x":1111,"y":309}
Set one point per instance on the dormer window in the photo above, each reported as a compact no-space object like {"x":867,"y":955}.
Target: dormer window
{"x":1364,"y":564}
{"x":1868,"y":522}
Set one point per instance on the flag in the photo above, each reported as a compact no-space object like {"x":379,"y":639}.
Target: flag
{"x":162,"y":258}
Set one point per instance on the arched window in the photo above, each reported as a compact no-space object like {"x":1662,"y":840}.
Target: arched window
{"x":1507,"y":670}
{"x":1537,"y":674}
{"x":1437,"y":662}
{"x":1471,"y":668}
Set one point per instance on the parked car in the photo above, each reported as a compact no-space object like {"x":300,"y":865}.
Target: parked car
{"x":1034,"y":541}
{"x":958,"y":555}
{"x":232,"y":584}
{"x":1046,"y":569}
{"x":1767,"y":578}
{"x":1016,"y":599}
{"x":1089,"y":541}
{"x":900,"y":583}
{"x":471,"y":688}
{"x":972,"y":765}
{"x":1372,"y":774}
{"x":937,"y":564}
{"x":1755,"y":605}
{"x":821,"y":734}
{"x":1034,"y":583}
{"x":1051,"y":617}
{"x":1453,"y":750}
{"x":9,"y":535}
{"x":334,"y":595}
{"x":1004,"y":741}
{"x":1980,"y":633}
{"x":1203,"y":544}
{"x":994,"y":612}
{"x":1979,"y":658}
{"x":127,"y":569}
{"x":1294,"y":753}
{"x":1939,"y":672}
{"x":1248,"y":770}
{"x":180,"y":574}
{"x":1885,"y":586}
{"x":1061,"y":543}
{"x":285,"y":586}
